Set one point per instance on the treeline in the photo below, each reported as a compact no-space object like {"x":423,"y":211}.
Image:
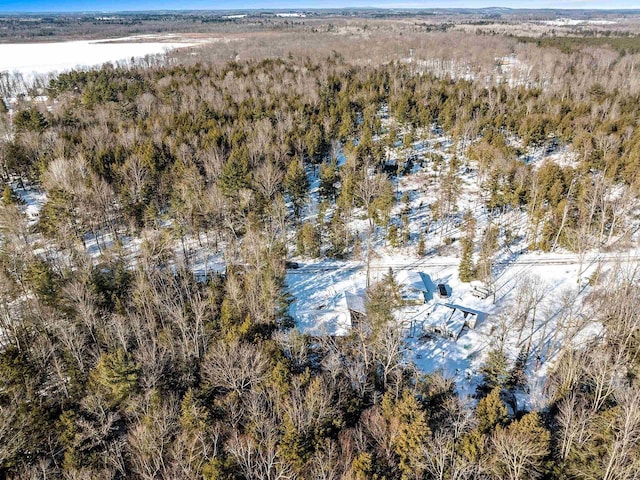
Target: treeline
{"x":64,"y":27}
{"x":623,"y":42}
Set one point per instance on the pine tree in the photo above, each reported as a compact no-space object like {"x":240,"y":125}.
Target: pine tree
{"x":406,"y":231}
{"x":235,"y":172}
{"x":412,"y":431}
{"x":494,"y":372}
{"x":309,"y":240}
{"x":328,"y":174}
{"x":338,"y":235}
{"x":472,"y":446}
{"x":488,"y":249}
{"x":44,"y":281}
{"x":392,"y":137}
{"x":517,"y":375}
{"x":116,"y":374}
{"x":407,"y":140}
{"x":346,"y":125}
{"x":295,"y":446}
{"x":296,"y":184}
{"x":491,"y":411}
{"x":8,"y":197}
{"x":299,"y":242}
{"x":392,"y":235}
{"x":193,"y":416}
{"x":466,"y":270}
{"x":382,"y":298}
{"x":382,"y":203}
{"x":362,"y":467}
{"x":30,"y":119}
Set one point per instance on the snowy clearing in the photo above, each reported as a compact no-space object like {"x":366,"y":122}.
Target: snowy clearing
{"x":468,"y":326}
{"x":31,"y":59}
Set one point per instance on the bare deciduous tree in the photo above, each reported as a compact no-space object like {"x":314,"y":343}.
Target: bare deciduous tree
{"x":235,"y":366}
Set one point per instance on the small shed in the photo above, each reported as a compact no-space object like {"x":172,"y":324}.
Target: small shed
{"x":449,"y":320}
{"x":412,"y":287}
{"x":356,"y":306}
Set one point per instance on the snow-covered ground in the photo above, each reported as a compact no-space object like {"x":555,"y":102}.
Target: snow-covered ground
{"x":509,"y":69}
{"x":569,"y":22}
{"x":33,"y":199}
{"x":31,"y":59}
{"x":558,"y":281}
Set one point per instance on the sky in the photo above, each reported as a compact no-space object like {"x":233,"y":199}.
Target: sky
{"x":129,"y":5}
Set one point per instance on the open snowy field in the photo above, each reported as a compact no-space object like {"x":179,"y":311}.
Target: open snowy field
{"x":31,"y":59}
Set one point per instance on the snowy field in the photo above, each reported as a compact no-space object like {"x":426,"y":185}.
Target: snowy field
{"x":570,"y":22}
{"x":31,"y":59}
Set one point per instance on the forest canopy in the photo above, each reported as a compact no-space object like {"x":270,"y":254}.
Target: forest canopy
{"x":121,"y":356}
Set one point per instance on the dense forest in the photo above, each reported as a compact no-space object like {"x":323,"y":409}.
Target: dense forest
{"x":116,"y":364}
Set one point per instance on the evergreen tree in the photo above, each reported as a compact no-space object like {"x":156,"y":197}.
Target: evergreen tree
{"x":338,"y":235}
{"x":517,"y":375}
{"x":8,"y":197}
{"x":30,"y":119}
{"x":382,"y":203}
{"x":407,"y":140}
{"x":309,"y":240}
{"x":488,"y":248}
{"x":44,"y":281}
{"x":472,"y":446}
{"x":296,"y":184}
{"x":491,"y":411}
{"x":116,"y":374}
{"x":392,"y":235}
{"x":382,"y":298}
{"x":328,"y":173}
{"x":466,"y":269}
{"x":412,"y":432}
{"x":392,"y":137}
{"x":295,"y":446}
{"x":494,"y":372}
{"x":235,"y":172}
{"x":362,"y":467}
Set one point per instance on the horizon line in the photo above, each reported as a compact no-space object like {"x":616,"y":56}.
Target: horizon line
{"x":318,"y":9}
